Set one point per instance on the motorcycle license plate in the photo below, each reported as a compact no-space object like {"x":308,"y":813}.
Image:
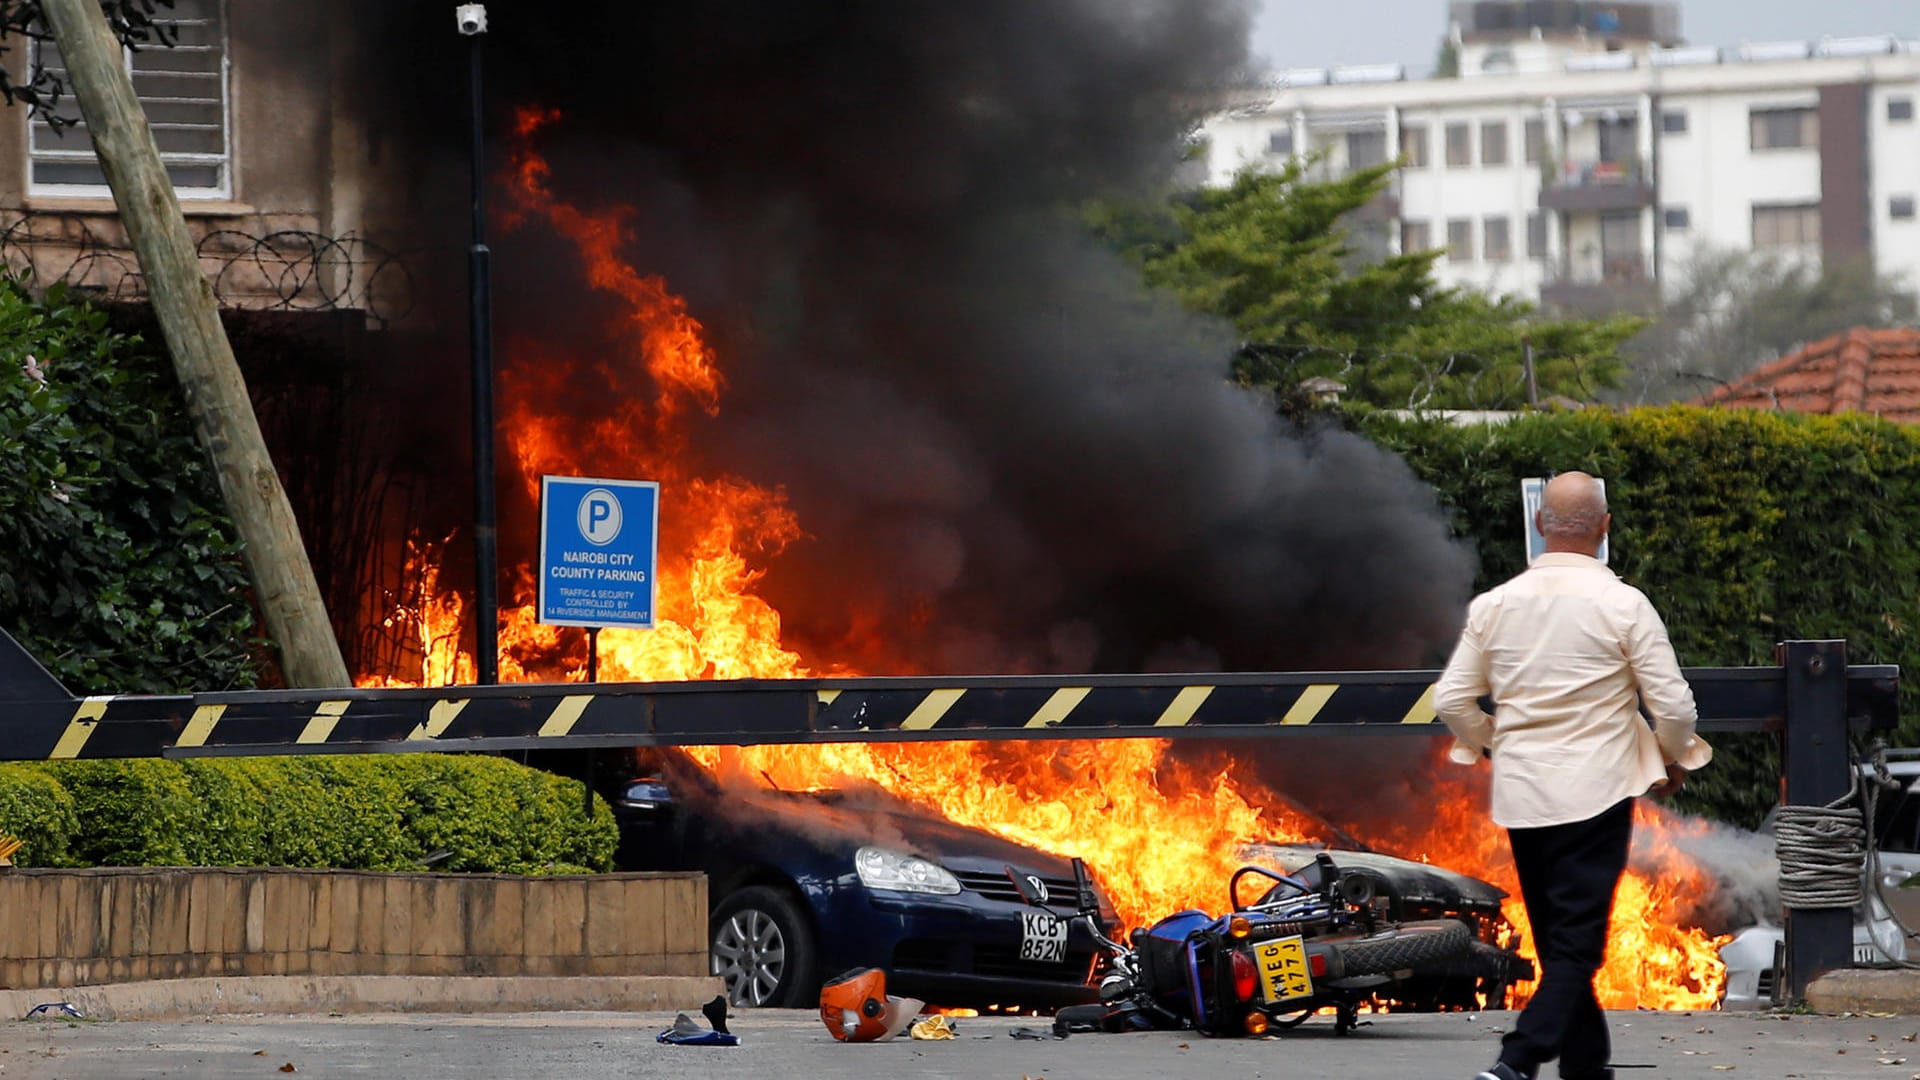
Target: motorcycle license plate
{"x":1283,"y":969}
{"x":1043,"y":937}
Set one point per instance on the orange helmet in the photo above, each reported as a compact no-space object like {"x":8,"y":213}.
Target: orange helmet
{"x":856,"y":1008}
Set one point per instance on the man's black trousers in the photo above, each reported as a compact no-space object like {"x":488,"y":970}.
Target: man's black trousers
{"x":1567,"y":877}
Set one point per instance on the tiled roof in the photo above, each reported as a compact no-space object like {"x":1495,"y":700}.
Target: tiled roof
{"x":1868,"y":371}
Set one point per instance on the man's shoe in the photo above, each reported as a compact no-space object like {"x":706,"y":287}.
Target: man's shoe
{"x":1502,"y":1071}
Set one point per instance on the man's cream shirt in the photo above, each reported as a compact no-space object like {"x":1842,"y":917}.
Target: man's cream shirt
{"x":1567,"y":651}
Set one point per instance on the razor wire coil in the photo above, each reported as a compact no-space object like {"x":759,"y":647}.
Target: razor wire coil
{"x":282,"y":270}
{"x":1823,"y":853}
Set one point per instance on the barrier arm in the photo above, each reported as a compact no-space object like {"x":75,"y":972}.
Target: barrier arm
{"x":39,"y":719}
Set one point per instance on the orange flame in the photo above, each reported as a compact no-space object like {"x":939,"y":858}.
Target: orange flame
{"x":1163,"y":834}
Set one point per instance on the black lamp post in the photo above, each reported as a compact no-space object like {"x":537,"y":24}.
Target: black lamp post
{"x":472,"y":20}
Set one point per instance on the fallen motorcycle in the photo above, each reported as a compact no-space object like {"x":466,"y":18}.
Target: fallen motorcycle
{"x":1270,"y":964}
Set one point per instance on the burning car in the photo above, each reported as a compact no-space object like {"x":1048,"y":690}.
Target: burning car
{"x":805,"y":885}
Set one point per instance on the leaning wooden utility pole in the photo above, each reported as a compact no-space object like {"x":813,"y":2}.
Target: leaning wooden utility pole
{"x":216,"y":394}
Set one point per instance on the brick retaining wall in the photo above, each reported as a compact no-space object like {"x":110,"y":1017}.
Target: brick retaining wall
{"x":81,"y":927}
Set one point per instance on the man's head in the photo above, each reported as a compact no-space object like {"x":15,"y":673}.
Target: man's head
{"x":1573,"y":514}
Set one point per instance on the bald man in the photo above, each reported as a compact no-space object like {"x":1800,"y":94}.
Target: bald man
{"x":1569,"y":652}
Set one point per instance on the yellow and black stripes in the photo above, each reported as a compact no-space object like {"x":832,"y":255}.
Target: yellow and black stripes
{"x":1152,"y":709}
{"x":836,"y":710}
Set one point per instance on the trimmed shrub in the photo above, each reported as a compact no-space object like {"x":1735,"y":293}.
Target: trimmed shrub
{"x":130,"y":813}
{"x":490,"y":813}
{"x":351,"y":813}
{"x":37,"y":810}
{"x":1744,"y":528}
{"x":232,"y":804}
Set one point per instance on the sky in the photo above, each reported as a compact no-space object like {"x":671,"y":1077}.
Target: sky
{"x":1315,"y":33}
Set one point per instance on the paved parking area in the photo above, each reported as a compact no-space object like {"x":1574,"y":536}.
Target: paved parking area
{"x":782,"y":1045}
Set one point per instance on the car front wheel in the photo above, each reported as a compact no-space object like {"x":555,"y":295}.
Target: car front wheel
{"x":762,"y":948}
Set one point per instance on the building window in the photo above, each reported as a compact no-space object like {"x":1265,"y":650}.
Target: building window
{"x":1536,"y":140}
{"x":1901,"y":207}
{"x":1674,"y":121}
{"x":1677,"y":219}
{"x":1496,"y":244}
{"x":1620,"y":139}
{"x":1413,"y":146}
{"x":1783,"y":129}
{"x":1280,"y":142}
{"x":184,"y":92}
{"x":1415,"y":236}
{"x":1365,"y":149}
{"x":1460,"y":240}
{"x":1899,"y":110}
{"x":1459,"y":145}
{"x":1797,"y":225}
{"x":1536,"y":236}
{"x":1493,"y":142}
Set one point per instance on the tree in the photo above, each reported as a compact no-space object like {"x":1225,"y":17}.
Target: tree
{"x":133,"y":22}
{"x":1274,"y":253}
{"x":1739,"y":309}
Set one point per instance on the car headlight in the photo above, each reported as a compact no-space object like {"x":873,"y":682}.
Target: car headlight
{"x":880,"y":868}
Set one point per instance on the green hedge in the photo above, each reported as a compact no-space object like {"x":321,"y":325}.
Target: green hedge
{"x":38,"y":811}
{"x":357,"y":813}
{"x":1744,"y":528}
{"x":119,"y":568}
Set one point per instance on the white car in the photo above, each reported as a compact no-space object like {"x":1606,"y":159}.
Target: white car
{"x":1756,"y":955}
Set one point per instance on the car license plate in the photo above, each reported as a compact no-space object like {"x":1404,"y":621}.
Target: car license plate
{"x":1283,"y":969}
{"x":1043,"y":937}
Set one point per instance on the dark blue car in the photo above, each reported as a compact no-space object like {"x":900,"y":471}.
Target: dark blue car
{"x":805,"y":886}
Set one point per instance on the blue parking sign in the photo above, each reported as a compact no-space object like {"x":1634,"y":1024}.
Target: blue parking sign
{"x":599,"y":540}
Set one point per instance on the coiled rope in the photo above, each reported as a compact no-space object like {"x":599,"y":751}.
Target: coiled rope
{"x":1823,"y":852}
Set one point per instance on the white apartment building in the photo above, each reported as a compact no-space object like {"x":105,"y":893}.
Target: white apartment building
{"x":1578,"y":167}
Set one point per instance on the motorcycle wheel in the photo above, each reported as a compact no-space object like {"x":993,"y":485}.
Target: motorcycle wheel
{"x":1294,"y":1021}
{"x":1408,"y":945}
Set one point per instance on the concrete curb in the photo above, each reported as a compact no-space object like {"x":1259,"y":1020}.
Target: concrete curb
{"x":1864,"y":990}
{"x":176,"y":999}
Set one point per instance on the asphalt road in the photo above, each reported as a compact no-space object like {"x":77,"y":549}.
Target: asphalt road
{"x":783,"y":1045}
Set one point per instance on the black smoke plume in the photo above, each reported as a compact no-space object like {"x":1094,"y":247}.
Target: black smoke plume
{"x":1006,"y":454}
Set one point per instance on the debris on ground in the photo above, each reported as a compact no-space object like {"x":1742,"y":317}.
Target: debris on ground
{"x":686,"y":1031}
{"x":933,"y":1027}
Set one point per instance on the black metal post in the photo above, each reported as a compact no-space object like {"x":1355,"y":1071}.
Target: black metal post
{"x":486,"y":604}
{"x":593,"y":676}
{"x":586,"y":786}
{"x":1817,"y":770}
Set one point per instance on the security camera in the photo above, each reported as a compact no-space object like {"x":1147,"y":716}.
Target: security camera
{"x":472,"y":18}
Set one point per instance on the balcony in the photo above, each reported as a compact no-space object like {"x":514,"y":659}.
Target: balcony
{"x":1597,"y":186}
{"x":1614,"y":283}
